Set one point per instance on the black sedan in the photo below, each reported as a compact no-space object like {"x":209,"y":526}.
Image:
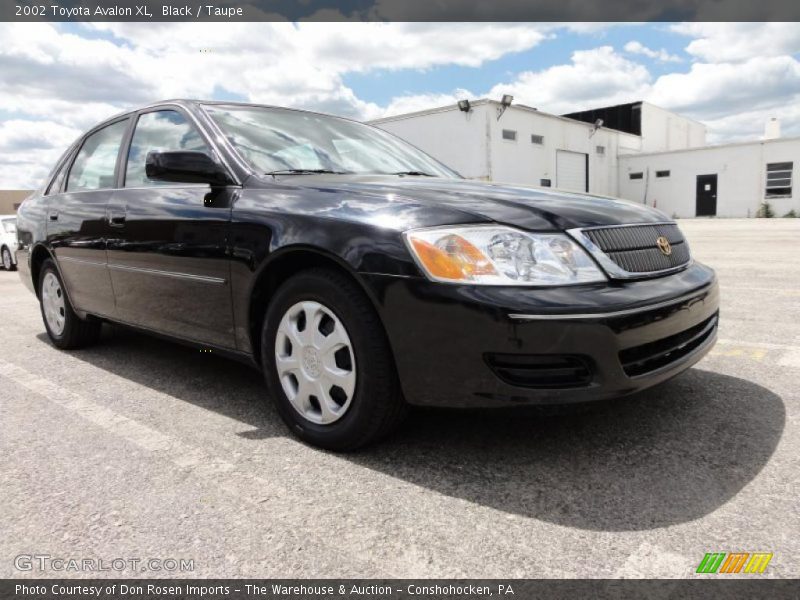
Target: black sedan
{"x":358,"y":273}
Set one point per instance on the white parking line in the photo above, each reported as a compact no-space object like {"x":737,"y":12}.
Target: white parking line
{"x":649,"y":561}
{"x":226,"y":476}
{"x":246,"y":486}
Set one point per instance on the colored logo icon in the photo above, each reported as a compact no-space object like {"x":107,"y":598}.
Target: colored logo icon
{"x":734,"y":562}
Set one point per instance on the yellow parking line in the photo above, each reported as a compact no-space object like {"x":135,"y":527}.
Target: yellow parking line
{"x":748,"y":352}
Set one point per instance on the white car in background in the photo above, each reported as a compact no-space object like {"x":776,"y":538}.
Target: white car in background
{"x":8,"y":242}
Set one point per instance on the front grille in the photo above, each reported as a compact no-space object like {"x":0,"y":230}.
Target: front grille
{"x":643,"y":359}
{"x":541,"y":370}
{"x":633,"y":247}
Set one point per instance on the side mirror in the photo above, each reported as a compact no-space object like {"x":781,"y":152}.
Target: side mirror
{"x":184,"y":167}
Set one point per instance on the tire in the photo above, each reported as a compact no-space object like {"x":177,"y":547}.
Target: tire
{"x":352,"y":419}
{"x":65,"y":328}
{"x":8,"y":262}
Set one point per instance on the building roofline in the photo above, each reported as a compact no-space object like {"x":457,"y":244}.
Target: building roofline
{"x":640,"y":103}
{"x":484,"y":102}
{"x":425,"y":112}
{"x":713,"y":147}
{"x":684,"y":117}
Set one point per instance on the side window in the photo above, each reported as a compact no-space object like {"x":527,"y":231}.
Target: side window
{"x":58,"y":180}
{"x":95,"y":163}
{"x":163,"y":130}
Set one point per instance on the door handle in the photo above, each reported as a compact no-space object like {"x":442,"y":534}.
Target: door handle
{"x":53,"y":214}
{"x":116,"y":220}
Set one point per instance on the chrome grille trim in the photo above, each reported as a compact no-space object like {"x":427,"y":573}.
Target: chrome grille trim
{"x":629,"y":252}
{"x":650,"y":260}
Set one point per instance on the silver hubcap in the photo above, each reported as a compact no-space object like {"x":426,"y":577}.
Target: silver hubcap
{"x":6,"y":259}
{"x":315,"y":362}
{"x":53,"y":304}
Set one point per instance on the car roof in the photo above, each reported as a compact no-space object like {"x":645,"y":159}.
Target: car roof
{"x":189,"y":103}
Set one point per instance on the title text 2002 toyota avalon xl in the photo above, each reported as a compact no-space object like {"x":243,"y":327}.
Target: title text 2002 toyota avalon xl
{"x":357,"y":272}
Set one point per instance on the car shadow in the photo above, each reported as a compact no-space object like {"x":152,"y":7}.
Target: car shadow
{"x":662,"y":457}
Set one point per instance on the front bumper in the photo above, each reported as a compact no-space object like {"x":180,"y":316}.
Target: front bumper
{"x":482,"y":346}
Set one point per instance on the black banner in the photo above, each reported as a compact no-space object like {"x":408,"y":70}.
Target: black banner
{"x":386,"y":589}
{"x":399,"y":10}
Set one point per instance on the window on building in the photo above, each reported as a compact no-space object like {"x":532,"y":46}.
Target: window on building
{"x":600,"y":149}
{"x":638,"y":175}
{"x":546,"y":183}
{"x":96,"y":162}
{"x":510,"y":134}
{"x":662,"y":173}
{"x":537,"y":139}
{"x":779,"y":179}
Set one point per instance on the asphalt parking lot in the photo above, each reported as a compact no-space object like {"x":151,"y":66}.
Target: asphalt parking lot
{"x":142,"y":448}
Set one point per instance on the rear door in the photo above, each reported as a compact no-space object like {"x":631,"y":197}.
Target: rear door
{"x":706,"y":202}
{"x":167,"y":255}
{"x":77,"y":228}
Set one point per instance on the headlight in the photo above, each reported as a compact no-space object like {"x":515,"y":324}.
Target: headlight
{"x":497,"y":255}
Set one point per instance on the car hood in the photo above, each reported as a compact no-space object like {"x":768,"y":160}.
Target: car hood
{"x":461,"y":200}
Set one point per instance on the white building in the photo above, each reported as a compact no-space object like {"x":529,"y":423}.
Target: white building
{"x":640,"y":152}
{"x":730,"y":180}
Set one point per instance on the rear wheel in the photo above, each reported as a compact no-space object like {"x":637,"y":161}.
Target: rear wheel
{"x":8,"y":264}
{"x":65,"y":328}
{"x":327,"y":362}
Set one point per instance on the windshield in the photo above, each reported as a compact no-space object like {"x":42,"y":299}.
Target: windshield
{"x":10,"y":225}
{"x":279,"y":140}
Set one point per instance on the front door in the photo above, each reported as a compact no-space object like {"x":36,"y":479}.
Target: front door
{"x":167,"y":253}
{"x":706,"y":196}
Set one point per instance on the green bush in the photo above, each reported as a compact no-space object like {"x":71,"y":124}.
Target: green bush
{"x":765,"y":211}
{"x":790,"y":215}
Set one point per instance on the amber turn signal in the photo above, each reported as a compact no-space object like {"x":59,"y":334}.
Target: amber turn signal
{"x":452,"y":258}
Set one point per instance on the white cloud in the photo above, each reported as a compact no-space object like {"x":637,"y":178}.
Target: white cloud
{"x":734,"y":99}
{"x":415,"y":102}
{"x":56,"y":84}
{"x":736,"y":42}
{"x":716,"y":90}
{"x":749,"y":125}
{"x":77,"y":80}
{"x":635,"y":47}
{"x":29,"y":149}
{"x":595,"y":77}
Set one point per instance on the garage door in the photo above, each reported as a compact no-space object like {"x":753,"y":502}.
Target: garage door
{"x":571,"y":171}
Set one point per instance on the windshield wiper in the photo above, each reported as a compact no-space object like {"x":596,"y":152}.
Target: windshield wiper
{"x":305,"y":172}
{"x":415,"y":173}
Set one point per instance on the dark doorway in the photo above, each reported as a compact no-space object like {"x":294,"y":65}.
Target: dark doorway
{"x":706,"y":196}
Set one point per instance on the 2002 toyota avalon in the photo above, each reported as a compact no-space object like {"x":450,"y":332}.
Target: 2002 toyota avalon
{"x":359,"y":273}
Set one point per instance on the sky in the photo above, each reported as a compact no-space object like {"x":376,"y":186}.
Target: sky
{"x":57,"y":80}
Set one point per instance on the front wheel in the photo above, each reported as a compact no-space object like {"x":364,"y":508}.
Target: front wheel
{"x":327,"y":362}
{"x":65,"y":328}
{"x":8,"y":263}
